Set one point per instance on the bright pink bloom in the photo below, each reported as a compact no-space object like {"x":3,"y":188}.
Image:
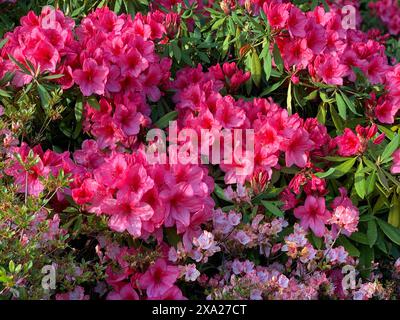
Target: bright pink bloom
{"x":128,"y":120}
{"x":297,"y":147}
{"x":345,"y":218}
{"x":277,"y":14}
{"x":124,"y":293}
{"x":296,"y":53}
{"x":348,"y":143}
{"x":173,"y":293}
{"x":395,"y":169}
{"x":127,"y":213}
{"x":228,"y":115}
{"x":329,"y":68}
{"x":297,"y":22}
{"x":313,"y":215}
{"x":386,"y":110}
{"x":159,"y":278}
{"x":91,"y":78}
{"x":77,"y":294}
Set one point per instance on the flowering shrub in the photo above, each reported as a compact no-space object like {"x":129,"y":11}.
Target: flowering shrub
{"x":189,"y":150}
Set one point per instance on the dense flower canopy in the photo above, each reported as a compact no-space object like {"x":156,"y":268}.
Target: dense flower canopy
{"x":277,"y":126}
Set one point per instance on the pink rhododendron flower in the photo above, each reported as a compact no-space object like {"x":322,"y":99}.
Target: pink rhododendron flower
{"x":348,"y":143}
{"x":159,"y":278}
{"x":297,"y":148}
{"x":330,"y":69}
{"x":313,"y":215}
{"x":77,"y":294}
{"x":125,"y":293}
{"x":127,"y":213}
{"x":345,"y":218}
{"x":395,"y":168}
{"x":92,"y":77}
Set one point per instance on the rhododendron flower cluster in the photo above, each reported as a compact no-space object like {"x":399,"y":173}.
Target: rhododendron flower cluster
{"x":44,"y":41}
{"x":28,"y":177}
{"x":273,"y":171}
{"x":318,"y":42}
{"x":138,"y":197}
{"x":202,"y":107}
{"x":388,"y":11}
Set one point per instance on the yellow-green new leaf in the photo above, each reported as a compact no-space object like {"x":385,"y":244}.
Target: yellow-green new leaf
{"x":256,"y":70}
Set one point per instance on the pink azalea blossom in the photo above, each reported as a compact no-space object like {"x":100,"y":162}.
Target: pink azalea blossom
{"x":92,"y":78}
{"x":313,"y":215}
{"x":395,"y":169}
{"x":159,"y":278}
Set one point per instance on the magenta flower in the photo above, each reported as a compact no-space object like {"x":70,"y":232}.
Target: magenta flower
{"x":313,"y":215}
{"x":92,"y":78}
{"x":297,"y":148}
{"x":127,"y":213}
{"x":348,"y":143}
{"x":395,"y":169}
{"x":159,"y":278}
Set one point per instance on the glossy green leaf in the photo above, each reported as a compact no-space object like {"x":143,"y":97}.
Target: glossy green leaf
{"x":343,"y":168}
{"x":359,"y":181}
{"x":256,"y":68}
{"x":272,"y":207}
{"x":165,"y":120}
{"x":372,"y":232}
{"x":342,"y":108}
{"x":391,"y":147}
{"x":391,"y":232}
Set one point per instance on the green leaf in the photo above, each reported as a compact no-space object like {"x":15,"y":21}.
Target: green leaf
{"x":289,"y":99}
{"x":3,"y":42}
{"x":391,"y":232}
{"x":371,"y":180}
{"x":359,"y":181}
{"x":11,"y":266}
{"x":220,"y":193}
{"x":272,"y":88}
{"x":326,"y":173}
{"x":321,"y":116}
{"x":311,"y":96}
{"x":256,"y":68}
{"x":336,"y":158}
{"x":163,"y":122}
{"x":382,"y":179}
{"x":394,"y":212}
{"x":4,"y":93}
{"x":372,"y":232}
{"x":341,"y":106}
{"x":366,"y":257}
{"x":389,"y":133}
{"x":337,"y":120}
{"x":343,"y":168}
{"x":271,"y":207}
{"x":218,"y":23}
{"x":52,"y":77}
{"x":172,"y":236}
{"x":93,"y":103}
{"x":349,"y":103}
{"x":317,"y":242}
{"x":359,"y":237}
{"x":79,"y":109}
{"x":267,"y":64}
{"x":20,"y":65}
{"x":391,"y":147}
{"x":176,"y":51}
{"x":350,"y":248}
{"x":278,"y":58}
{"x":117,"y":6}
{"x":44,"y":95}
